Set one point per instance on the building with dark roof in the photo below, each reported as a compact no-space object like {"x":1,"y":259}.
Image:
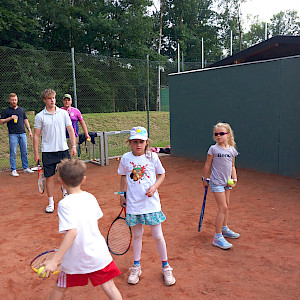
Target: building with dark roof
{"x":275,"y":47}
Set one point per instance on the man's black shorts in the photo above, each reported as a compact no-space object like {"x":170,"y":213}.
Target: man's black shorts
{"x":51,"y":159}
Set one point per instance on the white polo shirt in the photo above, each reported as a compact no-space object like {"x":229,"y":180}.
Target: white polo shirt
{"x":53,"y":128}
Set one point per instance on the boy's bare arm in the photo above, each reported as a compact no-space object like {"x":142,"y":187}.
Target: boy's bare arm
{"x":51,"y":265}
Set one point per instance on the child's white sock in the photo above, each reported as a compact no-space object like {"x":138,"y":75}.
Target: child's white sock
{"x":51,"y":201}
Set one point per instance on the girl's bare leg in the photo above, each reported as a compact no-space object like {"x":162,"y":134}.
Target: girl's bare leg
{"x":227,"y":195}
{"x":222,"y":212}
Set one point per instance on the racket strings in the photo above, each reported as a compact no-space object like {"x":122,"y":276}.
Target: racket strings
{"x":38,"y":262}
{"x":119,"y":237}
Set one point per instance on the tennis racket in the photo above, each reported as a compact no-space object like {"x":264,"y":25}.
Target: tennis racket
{"x":202,"y":210}
{"x":38,"y":261}
{"x":119,"y":235}
{"x":41,"y":179}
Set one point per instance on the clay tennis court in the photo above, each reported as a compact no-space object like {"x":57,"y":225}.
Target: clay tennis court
{"x":263,"y":263}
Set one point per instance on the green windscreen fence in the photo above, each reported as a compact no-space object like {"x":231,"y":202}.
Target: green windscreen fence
{"x":261,"y":101}
{"x":164,"y":99}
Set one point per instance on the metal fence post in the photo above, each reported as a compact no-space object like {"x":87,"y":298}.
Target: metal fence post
{"x":74,"y":76}
{"x":148,"y":95}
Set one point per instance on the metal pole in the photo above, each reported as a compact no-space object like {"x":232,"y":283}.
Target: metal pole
{"x":266,"y":30}
{"x":148,"y":95}
{"x":74,"y":77}
{"x":182,"y":62}
{"x":159,"y":96}
{"x":178,"y":57}
{"x":202,"y":53}
{"x":230,"y":42}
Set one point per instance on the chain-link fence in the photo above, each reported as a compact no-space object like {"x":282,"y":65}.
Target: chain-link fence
{"x":103,"y":84}
{"x":98,"y":84}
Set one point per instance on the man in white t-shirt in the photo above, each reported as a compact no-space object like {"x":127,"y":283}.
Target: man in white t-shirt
{"x":51,"y":123}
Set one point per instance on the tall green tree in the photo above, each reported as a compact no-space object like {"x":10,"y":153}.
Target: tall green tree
{"x":186,"y":23}
{"x":132,"y":30}
{"x":282,"y":23}
{"x":230,"y":20}
{"x":256,"y":33}
{"x":285,"y":23}
{"x":19,"y":27}
{"x":113,"y":28}
{"x":64,"y":23}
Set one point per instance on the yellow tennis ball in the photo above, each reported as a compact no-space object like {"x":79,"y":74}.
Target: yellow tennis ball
{"x":230,"y":182}
{"x":40,"y":270}
{"x":88,"y":140}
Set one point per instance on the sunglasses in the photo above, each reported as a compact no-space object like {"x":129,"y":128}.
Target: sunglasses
{"x":220,"y":133}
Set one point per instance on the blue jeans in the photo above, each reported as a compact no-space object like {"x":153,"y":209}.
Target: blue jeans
{"x":14,"y":140}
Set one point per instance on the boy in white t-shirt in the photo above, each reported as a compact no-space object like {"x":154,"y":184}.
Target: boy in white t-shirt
{"x":83,"y":250}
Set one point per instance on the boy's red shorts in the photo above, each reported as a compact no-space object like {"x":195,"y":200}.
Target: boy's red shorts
{"x":65,"y":280}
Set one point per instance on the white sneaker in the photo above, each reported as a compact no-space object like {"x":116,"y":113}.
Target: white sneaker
{"x":228,"y":233}
{"x":135,"y":273}
{"x":221,"y":243}
{"x":28,"y":171}
{"x":14,"y":173}
{"x":49,"y":209}
{"x":168,"y":275}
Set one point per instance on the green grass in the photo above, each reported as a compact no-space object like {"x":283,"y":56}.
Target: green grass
{"x":159,"y":130}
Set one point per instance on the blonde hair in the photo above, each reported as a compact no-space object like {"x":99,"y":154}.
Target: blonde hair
{"x":230,"y":135}
{"x":47,"y":93}
{"x":71,"y":171}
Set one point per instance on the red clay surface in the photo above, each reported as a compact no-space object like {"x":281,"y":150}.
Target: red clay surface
{"x":263,"y":263}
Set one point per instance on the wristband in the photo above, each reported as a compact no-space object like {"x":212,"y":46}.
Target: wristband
{"x":205,"y":179}
{"x":119,"y":193}
{"x":73,"y":146}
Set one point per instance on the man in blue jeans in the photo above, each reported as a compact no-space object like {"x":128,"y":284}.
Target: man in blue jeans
{"x":15,"y":118}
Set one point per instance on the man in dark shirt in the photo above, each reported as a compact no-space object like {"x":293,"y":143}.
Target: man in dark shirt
{"x":15,"y":118}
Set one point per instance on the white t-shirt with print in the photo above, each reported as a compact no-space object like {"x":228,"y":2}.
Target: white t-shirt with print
{"x":89,"y":252}
{"x":141,"y":173}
